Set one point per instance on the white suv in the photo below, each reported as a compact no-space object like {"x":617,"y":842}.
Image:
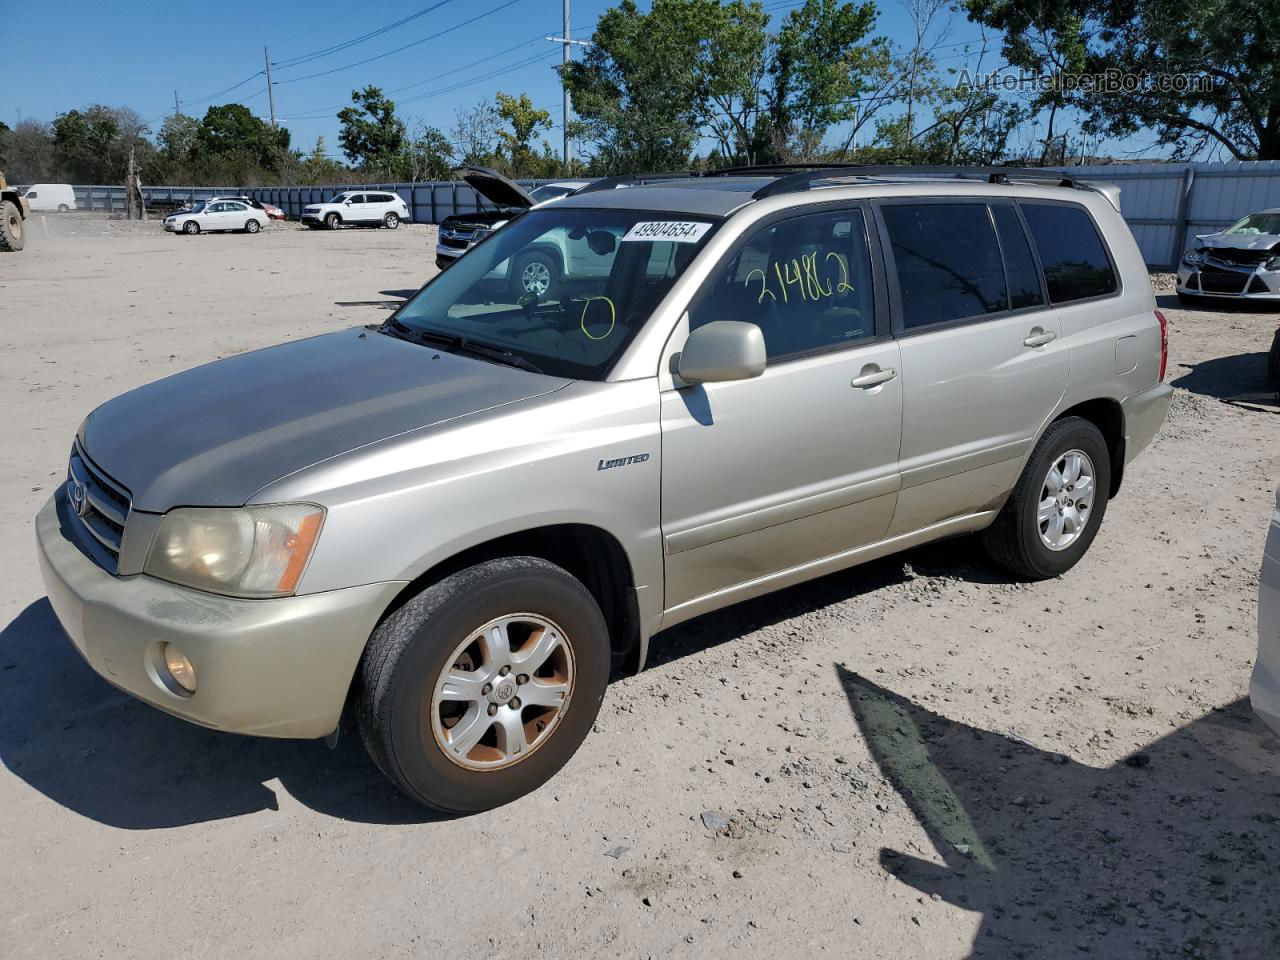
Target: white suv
{"x":377,"y":208}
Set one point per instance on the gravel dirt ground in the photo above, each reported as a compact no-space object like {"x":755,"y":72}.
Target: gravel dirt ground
{"x":918,"y":758}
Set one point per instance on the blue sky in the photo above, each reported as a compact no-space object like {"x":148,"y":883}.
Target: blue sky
{"x":455,"y":54}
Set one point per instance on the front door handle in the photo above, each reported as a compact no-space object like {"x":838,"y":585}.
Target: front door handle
{"x":872,"y":376}
{"x":1039,"y":337}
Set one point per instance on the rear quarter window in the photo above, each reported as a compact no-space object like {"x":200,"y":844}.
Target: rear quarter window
{"x":1075,"y":260}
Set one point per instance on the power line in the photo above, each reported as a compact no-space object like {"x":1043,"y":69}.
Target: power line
{"x":380,"y":56}
{"x":345,"y":44}
{"x":214,"y":96}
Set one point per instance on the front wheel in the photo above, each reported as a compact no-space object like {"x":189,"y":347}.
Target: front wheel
{"x":1058,"y":505}
{"x":191,"y":228}
{"x":11,"y":233}
{"x":484,"y":685}
{"x":391,"y":221}
{"x":332,"y":221}
{"x":536,"y":273}
{"x":252,"y":226}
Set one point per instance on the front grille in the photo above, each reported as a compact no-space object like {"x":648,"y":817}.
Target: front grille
{"x":1249,"y":258}
{"x":455,"y":243}
{"x":1257,"y":286}
{"x":99,"y":507}
{"x":1213,"y":280}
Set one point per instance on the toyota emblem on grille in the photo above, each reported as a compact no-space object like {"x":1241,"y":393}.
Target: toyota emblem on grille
{"x":79,"y":497}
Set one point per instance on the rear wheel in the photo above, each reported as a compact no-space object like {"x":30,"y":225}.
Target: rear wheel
{"x":481,"y":687}
{"x":391,"y":221}
{"x":191,"y":228}
{"x":1058,"y":505}
{"x":252,"y":226}
{"x":332,"y":221}
{"x":63,"y":208}
{"x":12,"y":236}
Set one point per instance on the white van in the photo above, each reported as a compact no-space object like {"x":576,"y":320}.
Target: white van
{"x":51,"y":196}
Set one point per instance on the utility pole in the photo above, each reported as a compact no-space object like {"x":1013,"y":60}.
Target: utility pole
{"x":566,"y":43}
{"x":176,"y":108}
{"x":271,"y":93}
{"x":564,"y":114}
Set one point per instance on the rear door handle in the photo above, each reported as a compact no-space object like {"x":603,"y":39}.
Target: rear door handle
{"x":873,"y":377}
{"x":1039,"y":337}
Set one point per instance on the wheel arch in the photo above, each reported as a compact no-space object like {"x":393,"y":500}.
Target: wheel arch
{"x":590,"y":553}
{"x":1108,"y":416}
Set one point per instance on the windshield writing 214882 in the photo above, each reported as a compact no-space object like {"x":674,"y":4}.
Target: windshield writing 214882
{"x":801,"y":277}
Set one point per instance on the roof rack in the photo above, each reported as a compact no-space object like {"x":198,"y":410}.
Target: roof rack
{"x":806,"y":174}
{"x":629,"y":179}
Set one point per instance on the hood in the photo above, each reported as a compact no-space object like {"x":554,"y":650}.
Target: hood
{"x":1243,"y":241}
{"x":215,"y":435}
{"x":496,"y":188}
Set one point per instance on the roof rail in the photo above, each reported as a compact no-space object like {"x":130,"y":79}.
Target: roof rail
{"x":805,"y":176}
{"x":628,"y":179}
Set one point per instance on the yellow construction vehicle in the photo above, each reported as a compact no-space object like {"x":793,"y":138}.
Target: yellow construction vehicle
{"x":13,"y":214}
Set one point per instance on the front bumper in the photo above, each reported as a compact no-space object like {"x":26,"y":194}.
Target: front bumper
{"x":171,"y":227}
{"x":275,"y":668}
{"x":1264,"y":686}
{"x":1144,"y":413}
{"x":1251,"y":283}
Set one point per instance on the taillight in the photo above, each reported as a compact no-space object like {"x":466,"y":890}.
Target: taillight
{"x":1164,"y":344}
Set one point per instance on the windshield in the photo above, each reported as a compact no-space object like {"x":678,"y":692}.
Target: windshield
{"x":1254,"y":224}
{"x":337,"y":198}
{"x":198,"y":206}
{"x":563,"y":290}
{"x":549,"y":191}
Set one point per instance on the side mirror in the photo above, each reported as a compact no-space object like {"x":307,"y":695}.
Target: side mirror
{"x":722,"y":350}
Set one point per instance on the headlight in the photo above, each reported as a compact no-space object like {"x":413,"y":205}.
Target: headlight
{"x":480,"y":235}
{"x":257,"y":551}
{"x":1193,"y":258}
{"x":1272,"y":264}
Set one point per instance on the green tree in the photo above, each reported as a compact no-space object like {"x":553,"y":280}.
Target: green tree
{"x":1233,"y":46}
{"x":230,"y":137}
{"x":29,"y":153}
{"x":319,"y":167}
{"x":516,"y":143}
{"x":428,"y":154}
{"x":474,"y":131}
{"x":372,"y":136}
{"x":5,"y":132}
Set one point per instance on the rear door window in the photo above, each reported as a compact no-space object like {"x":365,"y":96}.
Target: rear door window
{"x":1019,"y":265}
{"x":947,"y":260}
{"x":1075,"y":261}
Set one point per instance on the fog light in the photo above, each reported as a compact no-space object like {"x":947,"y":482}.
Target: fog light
{"x":179,"y":667}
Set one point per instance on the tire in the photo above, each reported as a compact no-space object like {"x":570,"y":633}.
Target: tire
{"x":12,"y":232}
{"x":1273,"y":363}
{"x":406,"y":728}
{"x":333,"y":221}
{"x":1016,"y":540}
{"x":536,"y":272}
{"x":391,"y":221}
{"x":63,"y":208}
{"x":191,"y":228}
{"x":252,"y":226}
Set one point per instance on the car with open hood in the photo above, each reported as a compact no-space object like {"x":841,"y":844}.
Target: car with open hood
{"x":454,"y":526}
{"x":1240,"y":263}
{"x":460,"y":232}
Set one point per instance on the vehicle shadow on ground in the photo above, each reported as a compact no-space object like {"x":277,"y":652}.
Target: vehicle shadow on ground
{"x":1227,"y":377}
{"x":960,"y":558}
{"x":1171,"y":852}
{"x":109,"y":757}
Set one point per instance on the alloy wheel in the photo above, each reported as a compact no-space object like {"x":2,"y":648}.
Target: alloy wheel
{"x":536,"y":278}
{"x":1066,"y":500}
{"x":506,"y":688}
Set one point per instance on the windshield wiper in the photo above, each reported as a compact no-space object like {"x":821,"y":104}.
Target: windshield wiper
{"x":461,"y":344}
